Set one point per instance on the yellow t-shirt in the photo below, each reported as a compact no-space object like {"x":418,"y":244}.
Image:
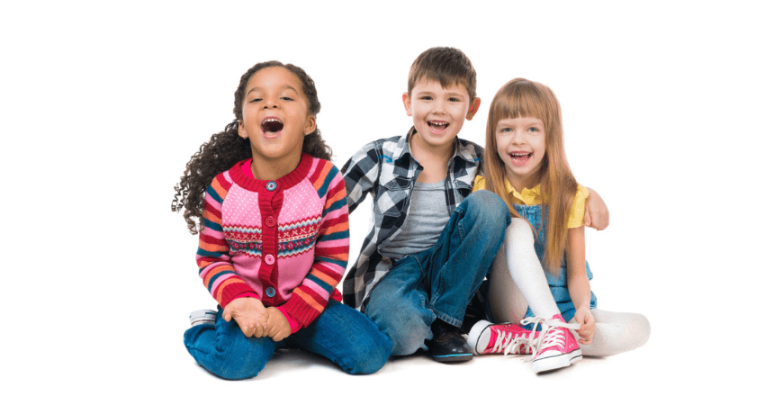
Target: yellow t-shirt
{"x":532,"y":197}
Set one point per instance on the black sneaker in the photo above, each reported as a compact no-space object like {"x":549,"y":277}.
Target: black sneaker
{"x":448,"y":345}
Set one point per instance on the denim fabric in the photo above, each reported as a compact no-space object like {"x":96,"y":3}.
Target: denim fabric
{"x":340,"y":333}
{"x":439,"y":282}
{"x":558,"y":285}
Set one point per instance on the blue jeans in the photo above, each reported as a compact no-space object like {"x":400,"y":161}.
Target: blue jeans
{"x":341,"y":334}
{"x":440,"y":282}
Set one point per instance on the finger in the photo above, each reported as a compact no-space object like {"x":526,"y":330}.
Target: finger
{"x":587,"y":218}
{"x":227,"y":314}
{"x":259,"y":331}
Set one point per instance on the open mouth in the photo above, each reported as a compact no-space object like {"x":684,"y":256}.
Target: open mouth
{"x":520,"y":157}
{"x":271,"y":124}
{"x":438,"y":126}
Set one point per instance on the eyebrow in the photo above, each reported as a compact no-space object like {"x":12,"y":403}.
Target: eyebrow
{"x":286,"y":86}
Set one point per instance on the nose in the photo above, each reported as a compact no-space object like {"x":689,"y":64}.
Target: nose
{"x":517,"y":138}
{"x":438,"y":106}
{"x":270,"y":102}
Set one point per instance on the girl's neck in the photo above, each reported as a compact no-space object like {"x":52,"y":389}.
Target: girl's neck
{"x":528,"y":182}
{"x":267,"y":169}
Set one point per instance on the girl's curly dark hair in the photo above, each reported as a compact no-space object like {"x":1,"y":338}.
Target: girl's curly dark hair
{"x":226,"y":148}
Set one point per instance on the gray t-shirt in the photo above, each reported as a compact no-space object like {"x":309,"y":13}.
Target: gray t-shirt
{"x":424,"y":223}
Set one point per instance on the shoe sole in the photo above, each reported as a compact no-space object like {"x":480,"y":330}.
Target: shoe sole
{"x":203,"y":316}
{"x":453,"y":358}
{"x":474,"y":338}
{"x":556,"y":362}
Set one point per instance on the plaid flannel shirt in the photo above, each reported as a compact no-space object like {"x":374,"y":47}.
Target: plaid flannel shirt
{"x":387,"y":169}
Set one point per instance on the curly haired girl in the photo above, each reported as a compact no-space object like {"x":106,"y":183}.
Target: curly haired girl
{"x":273,"y":235}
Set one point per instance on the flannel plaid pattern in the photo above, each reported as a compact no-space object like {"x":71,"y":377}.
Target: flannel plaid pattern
{"x":387,"y":169}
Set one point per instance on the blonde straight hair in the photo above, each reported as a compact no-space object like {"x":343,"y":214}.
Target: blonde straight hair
{"x":524,"y":98}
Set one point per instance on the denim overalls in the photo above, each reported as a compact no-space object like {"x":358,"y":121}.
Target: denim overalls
{"x":558,"y":286}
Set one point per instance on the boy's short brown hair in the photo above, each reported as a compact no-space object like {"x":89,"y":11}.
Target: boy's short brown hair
{"x":448,"y":66}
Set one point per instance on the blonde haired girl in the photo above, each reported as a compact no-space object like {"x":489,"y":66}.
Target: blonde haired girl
{"x":540,"y":278}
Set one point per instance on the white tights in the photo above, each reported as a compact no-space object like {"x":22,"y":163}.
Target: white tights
{"x":518,"y":282}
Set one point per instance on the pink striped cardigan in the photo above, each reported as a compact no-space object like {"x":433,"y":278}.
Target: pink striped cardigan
{"x":284,"y":242}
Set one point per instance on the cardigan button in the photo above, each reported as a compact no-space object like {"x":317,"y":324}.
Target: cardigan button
{"x":270,"y":259}
{"x":270,"y":292}
{"x":271,"y":186}
{"x":270,"y":221}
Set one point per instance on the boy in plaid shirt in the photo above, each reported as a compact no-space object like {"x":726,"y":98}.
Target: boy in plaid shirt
{"x":432,"y":242}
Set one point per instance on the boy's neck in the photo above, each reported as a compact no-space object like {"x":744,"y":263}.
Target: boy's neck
{"x":434,"y":159}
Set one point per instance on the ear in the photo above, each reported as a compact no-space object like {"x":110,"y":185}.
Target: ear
{"x":407,"y":104}
{"x":310,"y":125}
{"x":473,"y":108}
{"x":240,"y":129}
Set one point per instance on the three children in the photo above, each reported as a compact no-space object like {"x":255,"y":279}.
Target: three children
{"x":274,"y":235}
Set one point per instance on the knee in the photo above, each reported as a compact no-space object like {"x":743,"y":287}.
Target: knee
{"x":373,"y":356}
{"x":519,"y":230}
{"x":519,"y":240}
{"x":232,"y":359}
{"x":641,"y":329}
{"x":488,"y":210}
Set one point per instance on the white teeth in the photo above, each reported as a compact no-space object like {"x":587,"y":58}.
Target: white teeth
{"x":520,"y":154}
{"x":271,"y":120}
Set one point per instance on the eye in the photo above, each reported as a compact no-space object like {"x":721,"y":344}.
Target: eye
{"x":454,"y":99}
{"x":426,"y":98}
{"x":256,"y":99}
{"x":533,"y":129}
{"x":505,"y":129}
{"x":287,"y":98}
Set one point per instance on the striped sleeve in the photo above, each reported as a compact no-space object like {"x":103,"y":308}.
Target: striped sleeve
{"x":330,"y":252}
{"x":213,"y":259}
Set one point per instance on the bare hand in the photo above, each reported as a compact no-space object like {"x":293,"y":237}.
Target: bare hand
{"x":250,"y":314}
{"x":595,"y":211}
{"x":586,"y":322}
{"x":278,"y":326}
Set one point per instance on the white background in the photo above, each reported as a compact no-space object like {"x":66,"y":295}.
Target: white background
{"x":102,"y":106}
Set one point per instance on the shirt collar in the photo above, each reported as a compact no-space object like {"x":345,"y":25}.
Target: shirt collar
{"x":526,"y":196}
{"x":463,"y":151}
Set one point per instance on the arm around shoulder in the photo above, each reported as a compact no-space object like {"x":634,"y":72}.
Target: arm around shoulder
{"x":596,"y":212}
{"x":360,"y":173}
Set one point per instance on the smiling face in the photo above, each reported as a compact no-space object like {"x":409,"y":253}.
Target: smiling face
{"x":275,"y":116}
{"x":521,"y":147}
{"x":438,"y":112}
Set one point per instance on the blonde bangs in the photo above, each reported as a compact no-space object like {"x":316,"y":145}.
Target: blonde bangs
{"x":522,"y":98}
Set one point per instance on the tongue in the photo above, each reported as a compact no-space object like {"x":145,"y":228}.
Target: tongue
{"x":521,"y":159}
{"x":437,"y":128}
{"x":272,"y":127}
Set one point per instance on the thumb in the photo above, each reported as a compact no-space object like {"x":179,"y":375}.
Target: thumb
{"x":227,"y":314}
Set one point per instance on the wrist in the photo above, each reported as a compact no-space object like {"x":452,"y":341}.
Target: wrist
{"x":294,"y":327}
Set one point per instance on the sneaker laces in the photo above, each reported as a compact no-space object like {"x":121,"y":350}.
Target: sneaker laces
{"x":550,"y":335}
{"x":505,"y":340}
